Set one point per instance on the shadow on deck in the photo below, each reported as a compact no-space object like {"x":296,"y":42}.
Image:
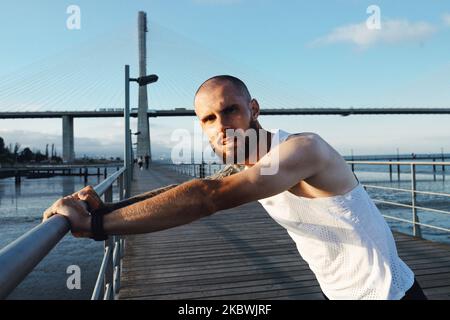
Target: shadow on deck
{"x":242,"y":253}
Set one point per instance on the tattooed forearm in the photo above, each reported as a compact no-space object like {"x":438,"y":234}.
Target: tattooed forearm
{"x":109,"y":207}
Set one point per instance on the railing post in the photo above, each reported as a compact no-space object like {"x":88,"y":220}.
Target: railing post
{"x":122,"y":248}
{"x":17,"y":177}
{"x":416,"y":228}
{"x":85,"y":175}
{"x":117,"y":256}
{"x":202,"y":171}
{"x":434,"y":170}
{"x":109,"y":194}
{"x":120,"y":182}
{"x":109,"y":245}
{"x":390,"y":170}
{"x":109,"y":272}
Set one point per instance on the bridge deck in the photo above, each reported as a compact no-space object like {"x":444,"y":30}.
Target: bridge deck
{"x":242,"y":254}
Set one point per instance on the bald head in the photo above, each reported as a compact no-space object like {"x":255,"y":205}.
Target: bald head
{"x":224,"y":103}
{"x":237,"y":84}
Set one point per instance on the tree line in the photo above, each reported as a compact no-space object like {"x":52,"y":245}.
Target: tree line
{"x":13,"y":154}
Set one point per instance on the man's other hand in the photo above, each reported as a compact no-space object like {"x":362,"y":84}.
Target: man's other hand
{"x":74,"y":211}
{"x":91,"y":197}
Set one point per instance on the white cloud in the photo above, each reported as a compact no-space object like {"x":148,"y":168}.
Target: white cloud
{"x":446,"y":19}
{"x":391,"y":32}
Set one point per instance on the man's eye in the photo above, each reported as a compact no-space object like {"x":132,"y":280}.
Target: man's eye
{"x":230,"y":110}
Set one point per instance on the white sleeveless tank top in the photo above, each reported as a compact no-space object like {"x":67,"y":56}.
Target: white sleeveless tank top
{"x":345,"y":240}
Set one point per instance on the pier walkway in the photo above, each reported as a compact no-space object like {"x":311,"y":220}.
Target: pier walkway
{"x":242,"y":253}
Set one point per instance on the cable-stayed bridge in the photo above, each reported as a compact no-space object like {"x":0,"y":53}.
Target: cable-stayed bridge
{"x":184,"y":112}
{"x":87,"y":82}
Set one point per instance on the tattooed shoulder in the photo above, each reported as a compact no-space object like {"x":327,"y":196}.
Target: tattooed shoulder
{"x":228,"y":170}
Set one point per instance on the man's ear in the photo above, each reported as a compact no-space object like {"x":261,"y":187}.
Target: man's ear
{"x":254,"y":105}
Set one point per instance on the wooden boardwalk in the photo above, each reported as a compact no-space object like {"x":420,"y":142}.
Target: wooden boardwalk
{"x":242,"y":253}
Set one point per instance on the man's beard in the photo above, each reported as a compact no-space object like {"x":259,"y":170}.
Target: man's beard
{"x":253,"y":125}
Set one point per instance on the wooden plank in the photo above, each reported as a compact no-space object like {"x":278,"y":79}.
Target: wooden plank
{"x":270,"y":274}
{"x":243,"y":293}
{"x":241,"y":284}
{"x":152,"y":278}
{"x":429,"y":292}
{"x":229,"y":263}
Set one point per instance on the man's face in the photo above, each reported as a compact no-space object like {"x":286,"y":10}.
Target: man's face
{"x":220,"y":107}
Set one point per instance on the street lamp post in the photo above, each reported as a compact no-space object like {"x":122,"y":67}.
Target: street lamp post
{"x":142,"y":81}
{"x":126,"y":115}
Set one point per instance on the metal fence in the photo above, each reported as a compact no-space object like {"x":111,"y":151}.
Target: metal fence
{"x":202,"y":170}
{"x":21,"y":256}
{"x":414,"y":221}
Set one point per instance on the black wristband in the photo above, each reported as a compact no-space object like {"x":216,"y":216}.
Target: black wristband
{"x":98,"y":233}
{"x":102,"y":210}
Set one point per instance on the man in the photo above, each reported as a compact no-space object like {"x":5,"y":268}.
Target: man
{"x":140,"y":162}
{"x":312,"y":193}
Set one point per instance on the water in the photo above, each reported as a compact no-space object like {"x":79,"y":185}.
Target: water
{"x":21,"y":208}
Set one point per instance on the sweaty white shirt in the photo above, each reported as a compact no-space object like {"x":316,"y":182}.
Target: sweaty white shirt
{"x":345,"y":240}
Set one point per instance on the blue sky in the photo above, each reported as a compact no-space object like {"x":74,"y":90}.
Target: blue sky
{"x":290,"y":53}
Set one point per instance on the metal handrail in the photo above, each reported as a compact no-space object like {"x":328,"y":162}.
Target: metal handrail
{"x":108,"y":279}
{"x":412,"y":164}
{"x":21,"y":256}
{"x":417,"y":223}
{"x":96,"y":294}
{"x":406,"y":190}
{"x":425,"y":163}
{"x":410,"y":206}
{"x":102,"y":187}
{"x":107,"y":285}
